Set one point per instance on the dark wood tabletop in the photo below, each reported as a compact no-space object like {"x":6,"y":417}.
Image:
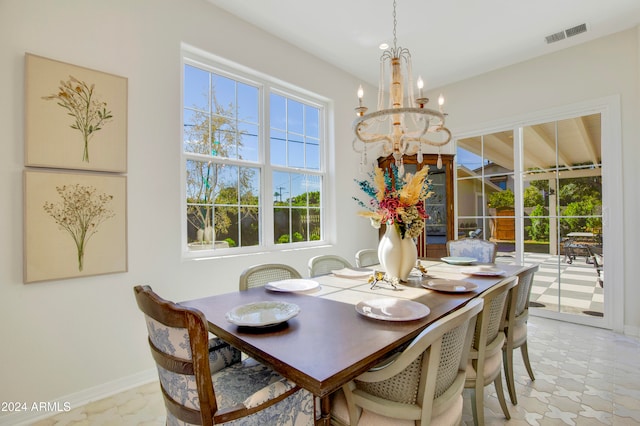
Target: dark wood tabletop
{"x":328,"y":343}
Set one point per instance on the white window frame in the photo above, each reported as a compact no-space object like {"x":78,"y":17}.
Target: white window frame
{"x":266,"y":85}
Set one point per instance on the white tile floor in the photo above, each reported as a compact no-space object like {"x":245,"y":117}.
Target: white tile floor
{"x":584,"y":376}
{"x":562,"y":287}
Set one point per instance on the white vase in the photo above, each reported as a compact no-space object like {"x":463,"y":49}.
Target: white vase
{"x":397,"y":255}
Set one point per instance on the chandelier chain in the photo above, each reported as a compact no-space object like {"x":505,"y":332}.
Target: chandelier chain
{"x":395,"y":22}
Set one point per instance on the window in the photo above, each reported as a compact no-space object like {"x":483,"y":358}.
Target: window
{"x":253,"y":162}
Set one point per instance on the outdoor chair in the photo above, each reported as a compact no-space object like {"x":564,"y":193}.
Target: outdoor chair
{"x":597,"y":259}
{"x":423,"y":384}
{"x":204,"y":381}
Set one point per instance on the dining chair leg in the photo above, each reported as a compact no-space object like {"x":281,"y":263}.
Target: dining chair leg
{"x":500,"y":391}
{"x":507,"y":359}
{"x":525,"y":357}
{"x":477,"y":405}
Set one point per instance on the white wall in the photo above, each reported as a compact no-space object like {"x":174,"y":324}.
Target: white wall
{"x":65,"y":337}
{"x":594,"y":70}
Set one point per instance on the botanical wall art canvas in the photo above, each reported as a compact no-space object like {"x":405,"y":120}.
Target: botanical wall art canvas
{"x":75,"y":224}
{"x":76,"y":118}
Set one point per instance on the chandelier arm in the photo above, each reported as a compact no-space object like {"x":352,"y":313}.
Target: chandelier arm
{"x":428,"y":141}
{"x":371,"y":138}
{"x":373,"y":145}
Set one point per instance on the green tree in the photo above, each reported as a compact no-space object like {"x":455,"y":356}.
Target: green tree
{"x":581,"y":216}
{"x":533,"y":197}
{"x":215,"y":135}
{"x":502,"y":199}
{"x":539,"y":228}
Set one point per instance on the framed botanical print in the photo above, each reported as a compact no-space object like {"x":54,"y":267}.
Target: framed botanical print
{"x":75,"y":224}
{"x":75,"y":118}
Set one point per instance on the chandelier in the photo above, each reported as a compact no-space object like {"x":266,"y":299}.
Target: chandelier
{"x":405,"y":126}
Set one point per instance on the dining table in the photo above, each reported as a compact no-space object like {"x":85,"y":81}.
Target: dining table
{"x":330,"y":341}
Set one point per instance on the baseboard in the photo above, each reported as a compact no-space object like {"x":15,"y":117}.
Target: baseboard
{"x":79,"y":399}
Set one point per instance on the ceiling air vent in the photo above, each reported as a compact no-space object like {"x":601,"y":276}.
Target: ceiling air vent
{"x":570,"y":32}
{"x":555,"y":37}
{"x":578,"y":29}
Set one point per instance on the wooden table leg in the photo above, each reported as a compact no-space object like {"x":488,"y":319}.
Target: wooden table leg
{"x":325,"y":412}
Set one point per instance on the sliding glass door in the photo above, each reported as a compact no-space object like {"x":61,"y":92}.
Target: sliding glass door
{"x":537,"y":191}
{"x":562,"y":206}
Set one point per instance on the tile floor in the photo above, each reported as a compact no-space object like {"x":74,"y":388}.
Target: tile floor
{"x":584,"y":376}
{"x":573,"y":287}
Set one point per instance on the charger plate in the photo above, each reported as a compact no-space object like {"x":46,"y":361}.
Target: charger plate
{"x":449,"y":286}
{"x":352,"y":273}
{"x":487,"y":271}
{"x":292,"y":285}
{"x":392,"y":309}
{"x":457,"y":260}
{"x":262,"y":314}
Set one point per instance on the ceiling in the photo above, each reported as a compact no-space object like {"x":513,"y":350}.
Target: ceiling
{"x":449,"y":40}
{"x":572,"y":145}
{"x":452,"y":40}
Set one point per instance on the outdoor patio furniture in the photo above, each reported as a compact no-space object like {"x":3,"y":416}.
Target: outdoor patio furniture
{"x":577,"y":244}
{"x":597,"y":259}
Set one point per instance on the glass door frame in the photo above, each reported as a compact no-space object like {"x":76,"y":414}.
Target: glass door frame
{"x":612,"y":201}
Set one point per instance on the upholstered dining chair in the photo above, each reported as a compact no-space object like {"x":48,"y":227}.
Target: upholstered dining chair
{"x":516,"y":330}
{"x":367,"y":257}
{"x":204,"y":381}
{"x":485,"y":357}
{"x":482,"y":250}
{"x":325,"y":263}
{"x":423,"y":384}
{"x":259,"y":275}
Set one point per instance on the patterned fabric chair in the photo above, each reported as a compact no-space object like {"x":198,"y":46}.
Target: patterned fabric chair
{"x":204,"y":382}
{"x":485,"y":357}
{"x":423,"y":384}
{"x":367,"y":257}
{"x":516,"y":331}
{"x":482,"y":250}
{"x":259,"y":275}
{"x":325,"y":263}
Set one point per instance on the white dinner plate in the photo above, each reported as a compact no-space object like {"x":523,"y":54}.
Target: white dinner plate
{"x":291,"y":285}
{"x":454,"y":260}
{"x":262,"y":314}
{"x":392,"y":309}
{"x":449,"y":286}
{"x":352,"y":273}
{"x":488,"y":271}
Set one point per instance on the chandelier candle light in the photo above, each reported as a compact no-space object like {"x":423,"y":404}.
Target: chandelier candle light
{"x":405,"y":125}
